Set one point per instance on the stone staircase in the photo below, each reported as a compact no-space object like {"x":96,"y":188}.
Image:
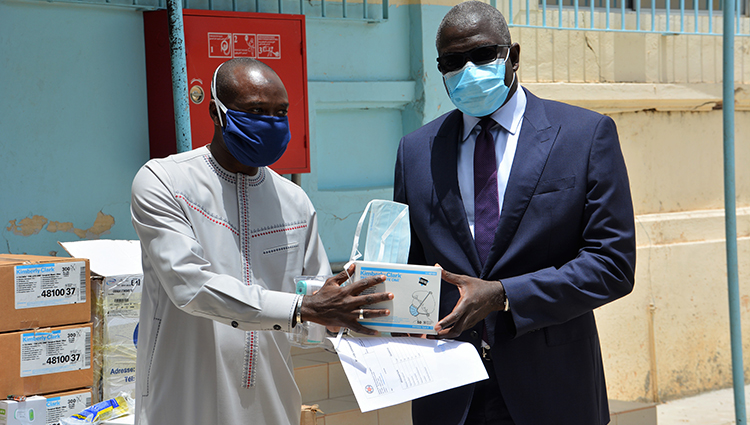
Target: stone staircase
{"x":322,"y":381}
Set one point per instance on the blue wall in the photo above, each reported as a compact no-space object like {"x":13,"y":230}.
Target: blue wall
{"x":73,"y":125}
{"x":368,"y":87}
{"x":73,"y":128}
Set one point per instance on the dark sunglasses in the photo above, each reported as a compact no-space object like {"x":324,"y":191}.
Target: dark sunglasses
{"x":478,"y":56}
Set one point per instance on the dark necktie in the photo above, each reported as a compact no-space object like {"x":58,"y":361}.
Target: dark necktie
{"x":486,"y":212}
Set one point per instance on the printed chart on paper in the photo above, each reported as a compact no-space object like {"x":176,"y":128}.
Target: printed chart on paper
{"x":387,"y":371}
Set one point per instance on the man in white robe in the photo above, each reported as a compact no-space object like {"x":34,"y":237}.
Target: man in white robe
{"x":222,"y":238}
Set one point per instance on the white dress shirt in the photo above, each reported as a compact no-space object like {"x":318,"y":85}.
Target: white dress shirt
{"x":509,"y":117}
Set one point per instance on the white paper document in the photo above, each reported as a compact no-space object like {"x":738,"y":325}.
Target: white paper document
{"x":388,"y":371}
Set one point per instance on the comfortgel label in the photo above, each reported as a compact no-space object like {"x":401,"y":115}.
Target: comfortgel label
{"x":44,"y":285}
{"x":64,"y":406}
{"x":66,"y":350}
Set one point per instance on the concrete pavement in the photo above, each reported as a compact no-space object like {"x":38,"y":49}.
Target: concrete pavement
{"x":712,"y":408}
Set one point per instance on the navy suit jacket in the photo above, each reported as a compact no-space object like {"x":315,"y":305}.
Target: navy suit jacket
{"x":564,"y":245}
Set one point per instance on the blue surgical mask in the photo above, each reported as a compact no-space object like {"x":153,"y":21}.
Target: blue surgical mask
{"x":253,"y":140}
{"x":478,"y":90}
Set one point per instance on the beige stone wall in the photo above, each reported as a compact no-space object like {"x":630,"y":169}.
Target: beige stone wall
{"x":670,"y":337}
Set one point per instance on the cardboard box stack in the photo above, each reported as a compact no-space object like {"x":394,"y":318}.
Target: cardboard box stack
{"x":45,"y":328}
{"x":116,"y":280}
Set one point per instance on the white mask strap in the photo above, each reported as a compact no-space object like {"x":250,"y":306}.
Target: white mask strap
{"x":222,"y":108}
{"x":356,"y":255}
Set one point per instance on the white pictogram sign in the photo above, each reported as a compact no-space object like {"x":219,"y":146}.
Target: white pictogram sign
{"x":269,"y":46}
{"x":219,"y":45}
{"x":244,"y":45}
{"x":241,"y":45}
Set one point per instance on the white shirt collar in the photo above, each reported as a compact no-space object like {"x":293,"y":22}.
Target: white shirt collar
{"x":508,"y":116}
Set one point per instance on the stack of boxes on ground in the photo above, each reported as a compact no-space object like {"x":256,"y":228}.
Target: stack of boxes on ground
{"x":116,"y":276}
{"x":45,"y":338}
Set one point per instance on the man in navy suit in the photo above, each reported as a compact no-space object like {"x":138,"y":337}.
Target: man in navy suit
{"x":526,"y":205}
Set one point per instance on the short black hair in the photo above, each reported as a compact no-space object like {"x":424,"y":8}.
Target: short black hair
{"x":226,"y":87}
{"x":466,"y":13}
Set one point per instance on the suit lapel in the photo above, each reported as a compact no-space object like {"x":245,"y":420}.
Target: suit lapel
{"x":443,"y":163}
{"x":534,"y":145}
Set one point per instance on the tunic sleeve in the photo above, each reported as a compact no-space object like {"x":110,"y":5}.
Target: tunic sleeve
{"x":174,"y":259}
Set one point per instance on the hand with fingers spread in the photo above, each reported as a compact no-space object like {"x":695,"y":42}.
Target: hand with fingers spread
{"x":478,"y":299}
{"x":334,"y":305}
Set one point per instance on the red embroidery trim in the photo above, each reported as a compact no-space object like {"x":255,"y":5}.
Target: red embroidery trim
{"x":283,"y":229}
{"x":251,"y":362}
{"x":247,"y":264}
{"x":208,"y":217}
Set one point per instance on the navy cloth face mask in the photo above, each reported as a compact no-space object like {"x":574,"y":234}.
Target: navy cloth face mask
{"x":256,"y":140}
{"x":253,"y":140}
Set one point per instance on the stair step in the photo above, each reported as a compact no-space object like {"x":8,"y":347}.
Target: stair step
{"x":631,"y":413}
{"x":345,"y":411}
{"x":319,"y":375}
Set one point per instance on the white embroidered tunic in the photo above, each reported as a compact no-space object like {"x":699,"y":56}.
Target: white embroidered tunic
{"x":220,"y":252}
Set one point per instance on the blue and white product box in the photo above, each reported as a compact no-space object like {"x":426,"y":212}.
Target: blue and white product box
{"x":32,"y":411}
{"x":416,"y":296}
{"x":55,"y":350}
{"x":64,"y":404}
{"x":42,"y":291}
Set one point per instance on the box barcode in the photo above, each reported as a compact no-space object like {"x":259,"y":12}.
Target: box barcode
{"x":82,"y":284}
{"x":87,"y":350}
